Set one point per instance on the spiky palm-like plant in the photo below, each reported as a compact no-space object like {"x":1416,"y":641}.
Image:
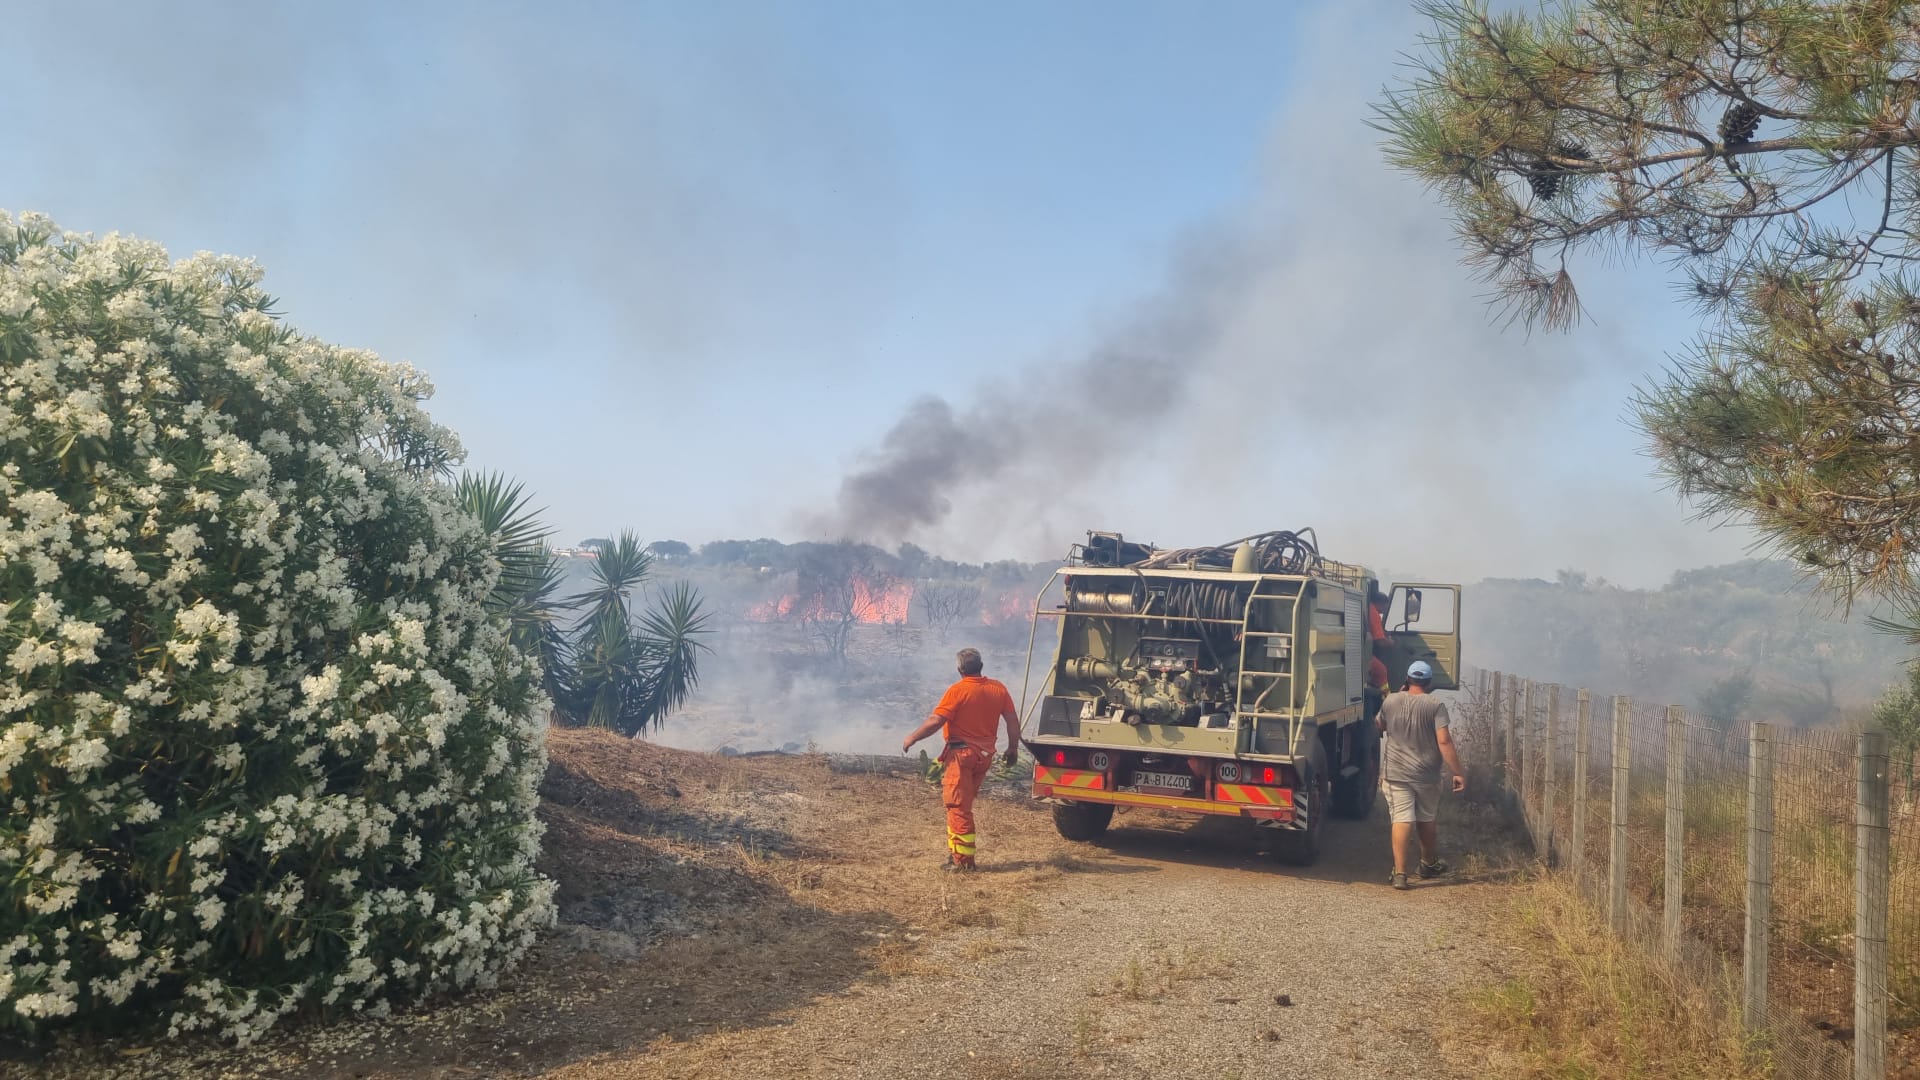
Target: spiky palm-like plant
{"x":605,"y":666}
{"x":530,"y":575}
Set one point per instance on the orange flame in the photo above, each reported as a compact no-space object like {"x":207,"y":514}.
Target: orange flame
{"x":884,"y":602}
{"x":1013,"y":606}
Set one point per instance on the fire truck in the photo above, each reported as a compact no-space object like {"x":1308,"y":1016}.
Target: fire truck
{"x":1224,"y":680}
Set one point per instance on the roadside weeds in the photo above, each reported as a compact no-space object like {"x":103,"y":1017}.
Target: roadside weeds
{"x":1581,"y":1004}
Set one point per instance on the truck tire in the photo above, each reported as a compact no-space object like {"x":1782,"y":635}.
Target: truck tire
{"x":1301,"y":847}
{"x":1082,"y":821}
{"x":1354,"y":796}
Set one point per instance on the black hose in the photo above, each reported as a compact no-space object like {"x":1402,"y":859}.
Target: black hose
{"x":1282,"y":551}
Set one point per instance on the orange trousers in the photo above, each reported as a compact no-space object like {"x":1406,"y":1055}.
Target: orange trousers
{"x":966,"y":767}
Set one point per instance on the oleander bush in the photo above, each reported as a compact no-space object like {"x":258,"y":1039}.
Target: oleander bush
{"x":262,"y":746}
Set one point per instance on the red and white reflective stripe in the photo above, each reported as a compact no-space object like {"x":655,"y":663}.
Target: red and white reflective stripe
{"x":1253,"y":795}
{"x":1069,"y":778}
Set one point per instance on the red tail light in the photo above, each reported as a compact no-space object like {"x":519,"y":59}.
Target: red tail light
{"x":1060,"y":757}
{"x":1239,"y":772}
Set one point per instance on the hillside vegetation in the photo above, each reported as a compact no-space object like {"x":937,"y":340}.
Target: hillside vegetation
{"x":1672,"y":644}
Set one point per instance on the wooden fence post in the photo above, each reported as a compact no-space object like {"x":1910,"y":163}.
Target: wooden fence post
{"x":1582,"y":714}
{"x":1673,"y":887}
{"x":1517,"y":733}
{"x":1871,"y":887}
{"x":1759,"y":875}
{"x":1499,"y":730}
{"x":1548,"y":769}
{"x":1525,"y":751}
{"x":1617,"y":852}
{"x":1506,"y":729}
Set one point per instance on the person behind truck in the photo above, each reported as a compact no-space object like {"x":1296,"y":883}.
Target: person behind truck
{"x":1418,"y":743}
{"x":969,"y":712}
{"x":1376,"y":668}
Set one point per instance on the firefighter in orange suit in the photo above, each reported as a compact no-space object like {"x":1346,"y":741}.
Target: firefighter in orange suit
{"x":968,"y":716}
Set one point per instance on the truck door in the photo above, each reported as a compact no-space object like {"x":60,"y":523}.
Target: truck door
{"x":1423,"y":623}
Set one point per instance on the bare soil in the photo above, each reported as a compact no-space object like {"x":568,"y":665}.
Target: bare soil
{"x":786,"y":915}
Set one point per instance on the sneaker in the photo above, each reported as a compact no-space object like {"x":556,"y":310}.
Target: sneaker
{"x":1400,"y":881}
{"x":1433,"y":869}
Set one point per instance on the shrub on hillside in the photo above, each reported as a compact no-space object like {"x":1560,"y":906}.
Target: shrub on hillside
{"x":262,"y":748}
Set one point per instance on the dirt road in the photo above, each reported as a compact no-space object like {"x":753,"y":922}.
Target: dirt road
{"x":786,"y":917}
{"x":1158,"y":954}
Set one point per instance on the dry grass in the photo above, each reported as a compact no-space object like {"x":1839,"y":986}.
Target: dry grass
{"x":1162,"y":970}
{"x":1584,"y":1006}
{"x":1087,"y":1031}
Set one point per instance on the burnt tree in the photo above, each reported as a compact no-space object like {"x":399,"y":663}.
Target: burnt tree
{"x":839,"y":586}
{"x":944,"y":605}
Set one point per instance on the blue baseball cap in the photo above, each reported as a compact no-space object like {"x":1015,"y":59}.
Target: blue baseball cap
{"x":1420,"y":670}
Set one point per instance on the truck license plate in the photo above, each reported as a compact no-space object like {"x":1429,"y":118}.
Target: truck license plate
{"x":1179,"y":781}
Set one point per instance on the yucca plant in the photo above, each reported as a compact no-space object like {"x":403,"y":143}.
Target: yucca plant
{"x":530,"y":574}
{"x":604,"y":666}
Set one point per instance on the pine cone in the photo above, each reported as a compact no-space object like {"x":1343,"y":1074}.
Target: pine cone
{"x":1739,"y":124}
{"x":1545,"y":177}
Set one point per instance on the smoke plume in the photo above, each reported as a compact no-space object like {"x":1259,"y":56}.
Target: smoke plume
{"x":1317,"y":357}
{"x":1065,"y":414}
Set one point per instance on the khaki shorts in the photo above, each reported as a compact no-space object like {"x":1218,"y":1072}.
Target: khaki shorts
{"x":1413,"y":802}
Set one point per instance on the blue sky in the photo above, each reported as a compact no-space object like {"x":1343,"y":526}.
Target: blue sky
{"x":681,"y":267}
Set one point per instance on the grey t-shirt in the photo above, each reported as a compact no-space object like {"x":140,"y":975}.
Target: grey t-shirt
{"x":1412,"y":752}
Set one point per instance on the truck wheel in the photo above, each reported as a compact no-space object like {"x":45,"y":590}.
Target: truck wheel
{"x":1354,"y":796}
{"x":1300,"y":847}
{"x":1082,"y":821}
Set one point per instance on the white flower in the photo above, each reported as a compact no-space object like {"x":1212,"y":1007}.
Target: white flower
{"x":322,"y":688}
{"x":209,"y":911}
{"x":86,"y":755}
{"x":81,"y":637}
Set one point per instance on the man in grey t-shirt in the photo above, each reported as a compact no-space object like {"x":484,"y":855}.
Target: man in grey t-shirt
{"x":1418,"y":743}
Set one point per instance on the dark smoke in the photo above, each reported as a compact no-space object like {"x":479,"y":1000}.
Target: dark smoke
{"x":925,"y":455}
{"x":1072,"y":416}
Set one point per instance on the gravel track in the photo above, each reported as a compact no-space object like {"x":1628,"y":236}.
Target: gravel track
{"x":1159,"y":954}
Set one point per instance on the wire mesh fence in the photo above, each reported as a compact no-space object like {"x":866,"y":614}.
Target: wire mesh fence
{"x":1734,"y":855}
{"x":1810,"y":965}
{"x":1903,"y":921}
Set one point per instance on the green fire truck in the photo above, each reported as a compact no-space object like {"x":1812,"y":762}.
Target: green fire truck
{"x":1226,"y":680}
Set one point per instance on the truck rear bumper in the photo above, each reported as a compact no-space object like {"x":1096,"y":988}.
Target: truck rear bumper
{"x":1273,"y":812}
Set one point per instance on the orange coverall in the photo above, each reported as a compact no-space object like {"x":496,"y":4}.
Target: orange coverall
{"x":971,"y":709}
{"x":1376,"y":629}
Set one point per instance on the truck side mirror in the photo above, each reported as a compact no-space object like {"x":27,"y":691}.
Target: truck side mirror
{"x":1413,"y":605}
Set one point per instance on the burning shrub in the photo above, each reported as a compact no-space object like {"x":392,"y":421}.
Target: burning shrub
{"x":263,"y":747}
